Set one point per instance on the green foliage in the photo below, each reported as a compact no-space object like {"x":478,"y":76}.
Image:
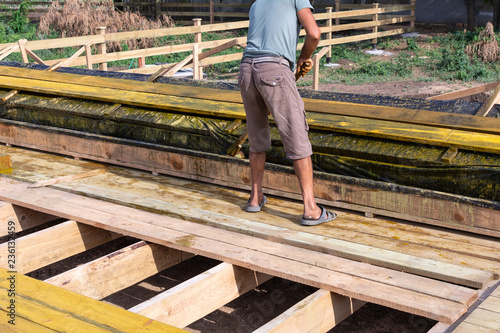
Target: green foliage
{"x":19,"y":22}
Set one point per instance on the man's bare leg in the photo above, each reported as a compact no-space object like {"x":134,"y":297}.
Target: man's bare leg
{"x":304,"y":171}
{"x":257,"y":165}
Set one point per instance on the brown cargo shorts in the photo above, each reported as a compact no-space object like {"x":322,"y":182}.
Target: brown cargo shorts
{"x":271,"y":86}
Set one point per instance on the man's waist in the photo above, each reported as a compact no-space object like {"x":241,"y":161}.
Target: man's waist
{"x":256,"y":60}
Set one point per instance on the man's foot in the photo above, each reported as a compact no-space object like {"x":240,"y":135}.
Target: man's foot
{"x":255,"y":209}
{"x":326,"y":216}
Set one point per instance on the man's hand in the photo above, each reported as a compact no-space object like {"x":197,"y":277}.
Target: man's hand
{"x":303,"y":67}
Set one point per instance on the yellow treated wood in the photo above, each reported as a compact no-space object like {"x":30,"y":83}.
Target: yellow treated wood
{"x":318,"y":312}
{"x":116,"y":271}
{"x":380,"y":128}
{"x":63,"y":310}
{"x":5,"y":162}
{"x":415,"y":116}
{"x":199,"y":296}
{"x":21,"y":325}
{"x":50,"y":245}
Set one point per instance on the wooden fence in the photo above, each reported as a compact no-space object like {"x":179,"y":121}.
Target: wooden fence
{"x":362,"y":24}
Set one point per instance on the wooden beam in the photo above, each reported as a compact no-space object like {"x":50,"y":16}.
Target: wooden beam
{"x":410,"y":116}
{"x":59,"y":309}
{"x":68,"y":178}
{"x":240,"y":250}
{"x":490,"y":103}
{"x":23,"y":218}
{"x":201,"y":295}
{"x":22,"y":50}
{"x":50,"y":245}
{"x":465,"y":92}
{"x":413,"y":204}
{"x":319,"y":312}
{"x":436,"y":136}
{"x":116,"y":271}
{"x":35,"y":57}
{"x":68,"y":61}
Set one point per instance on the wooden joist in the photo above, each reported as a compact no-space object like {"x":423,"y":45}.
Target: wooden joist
{"x":446,"y":137}
{"x":315,"y":269}
{"x":199,"y":296}
{"x":107,"y":275}
{"x":409,"y":116}
{"x":23,"y":218}
{"x":50,"y":245}
{"x":39,"y":304}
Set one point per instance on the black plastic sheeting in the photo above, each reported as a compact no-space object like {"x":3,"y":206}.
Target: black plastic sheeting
{"x":470,"y":174}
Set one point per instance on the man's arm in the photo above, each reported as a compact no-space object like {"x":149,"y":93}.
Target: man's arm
{"x":313,"y":35}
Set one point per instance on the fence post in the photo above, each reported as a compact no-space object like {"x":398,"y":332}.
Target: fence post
{"x":212,"y":20}
{"x":375,"y":28}
{"x":88,"y":56}
{"x":101,"y":49}
{"x":24,"y":55}
{"x":412,"y":22}
{"x":196,"y":62}
{"x":196,"y":50}
{"x":329,"y":35}
{"x":337,"y":9}
{"x":315,"y":60}
{"x":197,"y":35}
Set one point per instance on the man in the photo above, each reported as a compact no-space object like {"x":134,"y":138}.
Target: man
{"x":267,"y":84}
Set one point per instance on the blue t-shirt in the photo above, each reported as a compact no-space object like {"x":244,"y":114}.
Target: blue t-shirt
{"x":274,"y":28}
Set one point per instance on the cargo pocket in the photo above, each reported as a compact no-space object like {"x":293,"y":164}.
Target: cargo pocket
{"x":272,"y":81}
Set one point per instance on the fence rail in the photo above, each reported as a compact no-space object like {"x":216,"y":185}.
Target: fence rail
{"x":362,"y":24}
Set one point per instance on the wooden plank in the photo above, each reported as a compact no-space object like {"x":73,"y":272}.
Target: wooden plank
{"x":235,"y":221}
{"x":406,"y":203}
{"x":465,"y":92}
{"x":431,"y":118}
{"x":492,"y":303}
{"x":484,"y":318}
{"x":359,"y":126}
{"x":23,"y":218}
{"x":62,"y":310}
{"x":21,"y":325}
{"x":9,"y":95}
{"x":201,"y":295}
{"x":466,"y":327}
{"x":50,"y":245}
{"x":68,"y":178}
{"x":318,"y":312}
{"x":116,"y":271}
{"x":490,"y":103}
{"x":241,"y":250}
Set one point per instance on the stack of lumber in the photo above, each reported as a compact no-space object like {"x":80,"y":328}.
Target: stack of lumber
{"x":185,"y":130}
